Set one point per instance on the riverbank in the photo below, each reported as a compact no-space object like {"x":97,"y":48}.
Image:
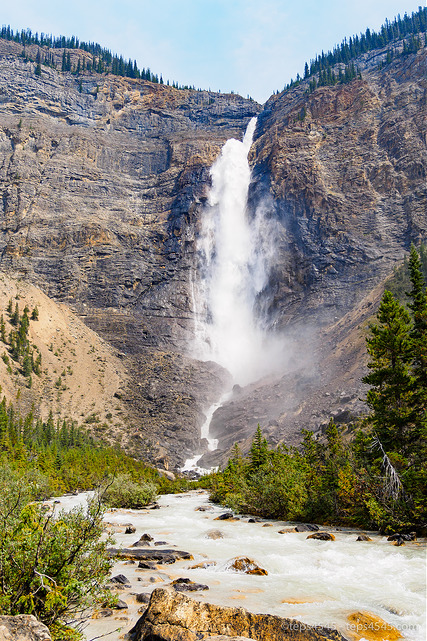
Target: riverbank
{"x":317,"y":582}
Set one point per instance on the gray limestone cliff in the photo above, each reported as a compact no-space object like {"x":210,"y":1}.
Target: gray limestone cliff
{"x":103,"y":181}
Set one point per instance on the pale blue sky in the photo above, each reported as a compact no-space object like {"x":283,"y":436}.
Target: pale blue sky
{"x":250,"y":47}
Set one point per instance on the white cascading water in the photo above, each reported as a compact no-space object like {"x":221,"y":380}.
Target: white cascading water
{"x":235,"y":253}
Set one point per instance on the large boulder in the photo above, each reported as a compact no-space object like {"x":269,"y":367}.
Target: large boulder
{"x":369,"y":626}
{"x":144,"y":554}
{"x":173,"y":616}
{"x":23,"y":627}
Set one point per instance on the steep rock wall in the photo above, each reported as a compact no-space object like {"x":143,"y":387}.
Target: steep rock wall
{"x":101,"y":179}
{"x":343,"y":172}
{"x":346,"y":169}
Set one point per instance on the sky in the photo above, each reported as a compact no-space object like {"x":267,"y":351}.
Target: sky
{"x":251,"y":48}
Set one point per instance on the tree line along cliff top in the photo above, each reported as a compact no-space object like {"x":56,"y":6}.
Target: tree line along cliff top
{"x":78,"y":57}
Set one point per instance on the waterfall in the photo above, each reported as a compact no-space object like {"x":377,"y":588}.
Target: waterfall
{"x":235,"y":253}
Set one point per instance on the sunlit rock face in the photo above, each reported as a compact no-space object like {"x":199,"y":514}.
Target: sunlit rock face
{"x":343,"y":171}
{"x":171,"y":616}
{"x":346,"y":167}
{"x":23,"y":627}
{"x":104,"y":181}
{"x":101,"y":180}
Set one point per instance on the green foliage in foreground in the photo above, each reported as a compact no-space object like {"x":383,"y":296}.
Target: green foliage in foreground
{"x":52,"y":564}
{"x":371,"y":477}
{"x":55,"y":565}
{"x":333,"y":480}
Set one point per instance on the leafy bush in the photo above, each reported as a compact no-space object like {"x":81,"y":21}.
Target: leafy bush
{"x":52,"y":564}
{"x":123,"y":492}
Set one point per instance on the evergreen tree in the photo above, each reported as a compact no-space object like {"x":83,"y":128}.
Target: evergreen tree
{"x":14,"y":319}
{"x":417,"y":293}
{"x":418,"y":336}
{"x":26,"y":364}
{"x":2,"y":330}
{"x":390,"y":396}
{"x":259,"y":449}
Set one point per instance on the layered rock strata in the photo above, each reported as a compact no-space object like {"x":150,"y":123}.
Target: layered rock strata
{"x":103,"y":181}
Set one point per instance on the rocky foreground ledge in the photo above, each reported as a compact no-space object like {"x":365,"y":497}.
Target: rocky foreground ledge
{"x":172,"y":616}
{"x":23,"y":627}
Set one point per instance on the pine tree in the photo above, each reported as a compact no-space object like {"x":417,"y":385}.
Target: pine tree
{"x":417,"y":293}
{"x":14,"y":319}
{"x":259,"y":449}
{"x":2,"y":330}
{"x":27,"y":364}
{"x":390,"y":397}
{"x":418,"y":337}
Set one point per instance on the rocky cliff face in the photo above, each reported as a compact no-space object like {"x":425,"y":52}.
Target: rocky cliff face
{"x":100,"y":178}
{"x":346,"y":166}
{"x":343,"y":171}
{"x":103,"y":181}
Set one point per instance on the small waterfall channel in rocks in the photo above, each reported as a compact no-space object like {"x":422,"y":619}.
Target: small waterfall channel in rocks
{"x":320,"y":583}
{"x":236,"y":251}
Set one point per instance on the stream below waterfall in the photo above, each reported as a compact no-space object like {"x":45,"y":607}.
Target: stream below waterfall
{"x":316,"y":582}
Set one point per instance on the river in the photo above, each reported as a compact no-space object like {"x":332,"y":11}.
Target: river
{"x":317,"y":582}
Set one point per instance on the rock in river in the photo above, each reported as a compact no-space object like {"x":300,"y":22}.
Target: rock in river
{"x":173,"y":616}
{"x":148,"y":554}
{"x":245,"y":565}
{"x":187,"y":585}
{"x":322,"y":536}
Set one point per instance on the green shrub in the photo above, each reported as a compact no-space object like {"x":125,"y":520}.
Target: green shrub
{"x":52,"y":565}
{"x":123,"y":492}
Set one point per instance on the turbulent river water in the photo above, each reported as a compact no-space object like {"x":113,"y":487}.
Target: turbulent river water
{"x":316,"y":582}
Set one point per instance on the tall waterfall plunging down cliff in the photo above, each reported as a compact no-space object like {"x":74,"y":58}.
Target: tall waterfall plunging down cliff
{"x":235,"y":254}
